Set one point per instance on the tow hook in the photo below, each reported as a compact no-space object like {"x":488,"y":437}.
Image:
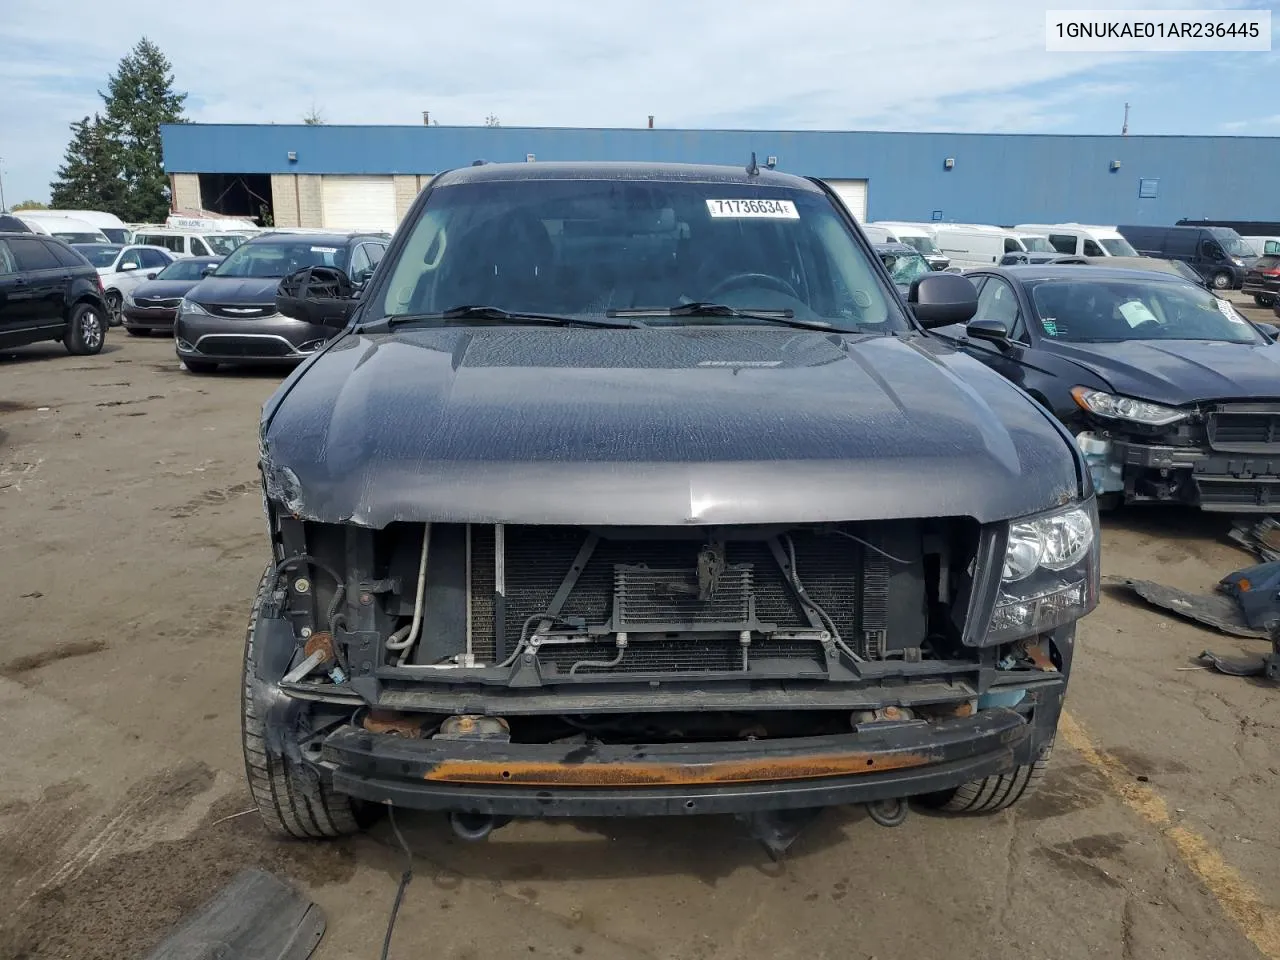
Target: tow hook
{"x":889,"y":813}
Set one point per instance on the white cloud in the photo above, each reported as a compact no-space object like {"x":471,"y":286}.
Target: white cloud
{"x":803,"y":64}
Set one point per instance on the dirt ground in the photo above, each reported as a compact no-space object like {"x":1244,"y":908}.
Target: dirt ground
{"x":131,"y":541}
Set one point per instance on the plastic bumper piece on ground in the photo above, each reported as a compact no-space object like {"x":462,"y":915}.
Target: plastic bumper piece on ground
{"x":549,"y":780}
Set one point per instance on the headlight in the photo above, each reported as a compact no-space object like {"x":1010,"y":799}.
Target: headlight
{"x":128,"y":298}
{"x":1126,"y":408}
{"x":190,"y":306}
{"x":1237,"y":261}
{"x":1050,"y":573}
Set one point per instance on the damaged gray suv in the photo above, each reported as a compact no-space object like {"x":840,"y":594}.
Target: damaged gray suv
{"x":640,"y":489}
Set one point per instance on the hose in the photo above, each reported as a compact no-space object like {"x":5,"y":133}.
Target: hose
{"x":524,"y":637}
{"x":604,"y":664}
{"x":404,"y":638}
{"x":813,"y":604}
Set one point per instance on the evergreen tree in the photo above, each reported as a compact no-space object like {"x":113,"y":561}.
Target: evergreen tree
{"x":90,"y":175}
{"x":139,"y":98}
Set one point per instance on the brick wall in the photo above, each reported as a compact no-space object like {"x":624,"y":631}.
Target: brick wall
{"x":310,"y":201}
{"x":284,"y":199}
{"x":186,"y":191}
{"x":406,"y":192}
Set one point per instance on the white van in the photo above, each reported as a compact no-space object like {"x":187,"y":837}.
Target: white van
{"x":115,"y":229}
{"x":974,"y":245}
{"x":67,"y":229}
{"x":190,"y":243}
{"x":1264,"y":246}
{"x":1082,"y":239}
{"x":913,"y":235}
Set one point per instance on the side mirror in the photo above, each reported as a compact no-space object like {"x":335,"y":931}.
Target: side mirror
{"x":941,"y":299}
{"x":128,"y":265}
{"x":151,"y":275}
{"x":207,"y":269}
{"x":994,"y":331}
{"x":323,"y":296}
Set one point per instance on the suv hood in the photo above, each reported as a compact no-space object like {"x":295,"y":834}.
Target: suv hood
{"x":250,"y":291}
{"x":656,"y":427}
{"x":1177,"y":372}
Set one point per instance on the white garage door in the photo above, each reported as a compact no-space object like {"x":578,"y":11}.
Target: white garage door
{"x":854,"y":195}
{"x":359,"y":203}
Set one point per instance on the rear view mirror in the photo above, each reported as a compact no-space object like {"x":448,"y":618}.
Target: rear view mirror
{"x":128,"y":265}
{"x":207,"y":269}
{"x":941,"y":299}
{"x":151,"y":275}
{"x":320,"y":295}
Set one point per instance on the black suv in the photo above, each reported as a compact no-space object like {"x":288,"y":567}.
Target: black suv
{"x":230,"y":316}
{"x":639,"y":489}
{"x":49,"y":292}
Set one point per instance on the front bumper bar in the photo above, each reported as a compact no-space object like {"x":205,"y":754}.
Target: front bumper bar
{"x":876,"y":762}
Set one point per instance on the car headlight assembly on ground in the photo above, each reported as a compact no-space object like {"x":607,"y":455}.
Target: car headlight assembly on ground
{"x":1049,"y":575}
{"x":1126,"y":408}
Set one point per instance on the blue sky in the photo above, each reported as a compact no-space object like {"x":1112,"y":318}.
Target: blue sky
{"x":979,"y":65}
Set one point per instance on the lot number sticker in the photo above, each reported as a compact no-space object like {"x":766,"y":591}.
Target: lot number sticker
{"x":742,"y":209}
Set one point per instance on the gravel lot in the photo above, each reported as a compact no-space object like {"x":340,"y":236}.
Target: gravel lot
{"x":131,"y":538}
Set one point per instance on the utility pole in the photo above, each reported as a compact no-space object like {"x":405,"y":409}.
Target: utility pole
{"x":3,"y":208}
{"x":1124,"y":131}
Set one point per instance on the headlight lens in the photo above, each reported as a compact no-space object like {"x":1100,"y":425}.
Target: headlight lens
{"x":128,"y":298}
{"x":1050,"y":573}
{"x":1126,"y":408}
{"x":190,"y":306}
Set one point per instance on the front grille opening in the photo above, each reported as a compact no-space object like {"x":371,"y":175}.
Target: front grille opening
{"x":686,"y":601}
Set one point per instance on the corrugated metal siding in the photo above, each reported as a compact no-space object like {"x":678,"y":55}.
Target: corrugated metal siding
{"x":997,"y":178}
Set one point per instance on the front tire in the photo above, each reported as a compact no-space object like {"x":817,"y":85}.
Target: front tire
{"x":1221,"y":281}
{"x":992,"y":794}
{"x":86,"y":330}
{"x":115,"y":308}
{"x":1262,"y":300}
{"x":291,"y":797}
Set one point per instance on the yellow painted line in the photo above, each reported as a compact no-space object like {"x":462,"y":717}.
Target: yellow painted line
{"x":1257,"y":920}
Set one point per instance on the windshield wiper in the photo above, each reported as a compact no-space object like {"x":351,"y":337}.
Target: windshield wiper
{"x":479,"y":311}
{"x":703,"y":308}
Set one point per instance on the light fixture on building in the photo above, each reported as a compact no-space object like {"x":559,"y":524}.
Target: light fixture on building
{"x":293,"y":156}
{"x":1115,"y":165}
{"x":948,"y":163}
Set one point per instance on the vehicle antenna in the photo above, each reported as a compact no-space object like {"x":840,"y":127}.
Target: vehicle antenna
{"x":753,"y":168}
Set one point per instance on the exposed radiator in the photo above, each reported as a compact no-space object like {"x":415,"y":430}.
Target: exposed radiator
{"x":850,"y":583}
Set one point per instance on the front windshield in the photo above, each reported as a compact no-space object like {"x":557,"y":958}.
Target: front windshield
{"x":1093,"y":311}
{"x":579,"y":248}
{"x":922,"y":244}
{"x":905,"y":267}
{"x":223,"y":243}
{"x":1232,"y":243}
{"x":116,"y":234}
{"x":280,"y":257}
{"x":1037,"y":245}
{"x":99,"y":254}
{"x":1117,"y":247}
{"x":184,"y":269}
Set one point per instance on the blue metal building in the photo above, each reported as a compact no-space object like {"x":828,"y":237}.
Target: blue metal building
{"x":339,"y":175}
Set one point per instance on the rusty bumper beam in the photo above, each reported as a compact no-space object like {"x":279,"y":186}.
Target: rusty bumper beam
{"x":733,"y":776}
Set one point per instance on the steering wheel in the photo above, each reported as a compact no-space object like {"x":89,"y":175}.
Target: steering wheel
{"x":754,"y":280}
